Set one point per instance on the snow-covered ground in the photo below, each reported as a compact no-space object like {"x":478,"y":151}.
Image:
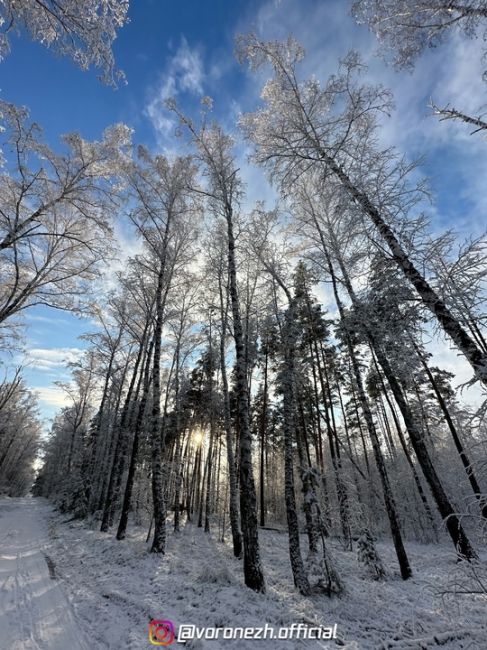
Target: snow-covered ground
{"x":66,"y":586}
{"x":35,"y":610}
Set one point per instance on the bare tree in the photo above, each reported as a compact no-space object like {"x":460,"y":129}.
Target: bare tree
{"x":406,"y":27}
{"x":163,"y":203}
{"x":83,"y":30}
{"x":55,"y":214}
{"x":223,"y":190}
{"x":20,"y":434}
{"x":304,"y":127}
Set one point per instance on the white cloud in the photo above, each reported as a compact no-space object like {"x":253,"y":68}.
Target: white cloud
{"x":50,"y":358}
{"x":448,"y":358}
{"x":450,"y":74}
{"x":183,"y":73}
{"x":52,"y":396}
{"x":52,"y":320}
{"x":128,"y":245}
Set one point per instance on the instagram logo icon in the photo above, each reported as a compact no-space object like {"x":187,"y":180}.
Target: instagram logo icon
{"x":161,"y":632}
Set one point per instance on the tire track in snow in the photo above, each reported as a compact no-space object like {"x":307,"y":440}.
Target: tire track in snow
{"x":35,"y":612}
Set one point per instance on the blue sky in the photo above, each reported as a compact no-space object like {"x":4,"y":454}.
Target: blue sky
{"x":185,"y":48}
{"x":63,"y":98}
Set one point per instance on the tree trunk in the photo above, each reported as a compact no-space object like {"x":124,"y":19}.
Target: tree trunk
{"x":121,"y":433}
{"x":254,"y":577}
{"x":455,"y":529}
{"x":230,"y":442}
{"x":407,"y":454}
{"x":459,"y":538}
{"x":263,"y":428}
{"x":390,"y":504}
{"x":456,"y":438}
{"x":474,"y":355}
{"x":158,"y":497}
{"x":288,"y":402}
{"x":122,"y":526}
{"x":309,"y":496}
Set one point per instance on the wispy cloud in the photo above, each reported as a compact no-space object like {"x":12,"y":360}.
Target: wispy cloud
{"x":51,"y":358}
{"x":52,"y":396}
{"x":128,"y":245}
{"x":50,"y":320}
{"x":183,"y":73}
{"x":450,"y":74}
{"x":448,"y":358}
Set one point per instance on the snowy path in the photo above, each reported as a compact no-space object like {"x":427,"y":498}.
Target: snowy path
{"x":35,"y":613}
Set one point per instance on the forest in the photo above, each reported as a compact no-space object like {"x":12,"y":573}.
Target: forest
{"x":255,"y":370}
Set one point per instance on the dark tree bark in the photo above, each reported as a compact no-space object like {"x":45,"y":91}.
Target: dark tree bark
{"x":212,"y":435}
{"x":407,"y":455}
{"x":389,"y":500}
{"x":122,"y":526}
{"x":460,"y":540}
{"x":158,"y":498}
{"x":474,"y":355}
{"x":288,"y":405}
{"x":230,"y":442}
{"x":457,"y":534}
{"x":121,"y":433}
{"x":263,"y":429}
{"x":479,"y":495}
{"x":254,"y":577}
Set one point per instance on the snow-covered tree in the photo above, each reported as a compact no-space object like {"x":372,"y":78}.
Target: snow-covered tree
{"x":367,"y":556}
{"x":406,"y":27}
{"x":83,"y":30}
{"x":20,"y":434}
{"x":304,"y":126}
{"x":55,"y":215}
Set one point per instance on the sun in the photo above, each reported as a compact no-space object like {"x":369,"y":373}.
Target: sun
{"x":198,"y":437}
